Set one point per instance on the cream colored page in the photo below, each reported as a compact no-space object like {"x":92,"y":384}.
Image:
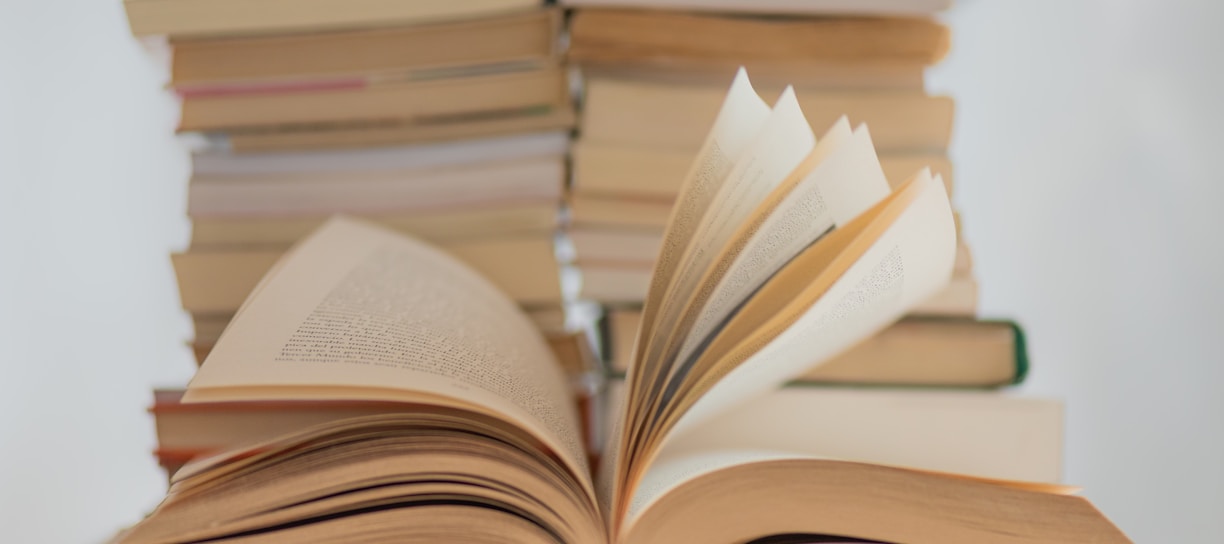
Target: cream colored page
{"x":741,"y":116}
{"x":976,"y":433}
{"x":783,"y":142}
{"x":667,"y":474}
{"x":845,"y":183}
{"x":365,"y":312}
{"x":910,"y":261}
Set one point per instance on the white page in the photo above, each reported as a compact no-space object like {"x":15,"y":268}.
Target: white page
{"x":909,"y":262}
{"x":357,"y":312}
{"x":783,"y":142}
{"x":847,"y":182}
{"x":738,"y":120}
{"x":741,"y":117}
{"x":977,"y":433}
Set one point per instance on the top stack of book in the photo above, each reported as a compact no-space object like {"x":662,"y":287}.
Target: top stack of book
{"x":654,"y":73}
{"x":446,"y":120}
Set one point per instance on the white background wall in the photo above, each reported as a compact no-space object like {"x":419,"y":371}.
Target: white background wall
{"x":1086,"y":147}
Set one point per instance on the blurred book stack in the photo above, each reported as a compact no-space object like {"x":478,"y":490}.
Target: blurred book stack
{"x":653,"y":75}
{"x":447,"y":120}
{"x":452,"y":121}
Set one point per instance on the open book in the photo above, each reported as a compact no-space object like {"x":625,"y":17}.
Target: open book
{"x":783,"y":249}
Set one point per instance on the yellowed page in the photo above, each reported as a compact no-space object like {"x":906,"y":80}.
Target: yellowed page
{"x":742,"y":115}
{"x":359,"y":312}
{"x":912,"y":259}
{"x":740,"y":118}
{"x":780,"y":146}
{"x":846,"y":182}
{"x":671,"y":472}
{"x":666,"y":474}
{"x":976,"y":433}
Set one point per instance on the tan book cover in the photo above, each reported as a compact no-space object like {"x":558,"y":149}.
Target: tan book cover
{"x":262,"y":63}
{"x":491,"y":95}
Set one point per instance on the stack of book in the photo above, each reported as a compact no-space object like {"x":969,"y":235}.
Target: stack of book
{"x":654,"y":76}
{"x":449,"y":121}
{"x":374,"y":388}
{"x":365,"y":385}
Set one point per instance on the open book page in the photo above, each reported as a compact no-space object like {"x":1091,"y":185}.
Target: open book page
{"x":845,"y":180}
{"x":667,"y":474}
{"x":357,"y":312}
{"x":904,"y":265}
{"x":740,"y":118}
{"x":670,"y":472}
{"x":973,"y":433}
{"x":738,"y":121}
{"x":783,"y":142}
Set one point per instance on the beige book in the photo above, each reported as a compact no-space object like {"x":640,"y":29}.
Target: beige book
{"x":625,"y":35}
{"x":237,"y":17}
{"x":601,"y":169}
{"x":492,"y":450}
{"x":442,"y":226}
{"x":237,"y":63}
{"x":635,"y":213}
{"x":807,"y":75}
{"x":217,"y":281}
{"x":407,"y":102}
{"x":914,"y":351}
{"x":361,"y":135}
{"x":780,"y":7}
{"x":283,"y":194}
{"x":218,"y":164}
{"x":662,"y":116}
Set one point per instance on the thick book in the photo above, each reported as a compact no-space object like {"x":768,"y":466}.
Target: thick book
{"x":216,"y":281}
{"x":351,"y":58}
{"x":913,"y":352}
{"x":422,"y":178}
{"x":645,"y":172}
{"x":667,"y":116}
{"x":439,"y":226}
{"x":778,"y":7}
{"x":671,"y":37}
{"x":383,"y":134}
{"x":470,"y":96}
{"x":783,"y":248}
{"x":243,"y":17}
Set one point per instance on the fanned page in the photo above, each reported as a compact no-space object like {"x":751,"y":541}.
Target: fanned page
{"x":908,"y":261}
{"x":358,"y":312}
{"x":839,"y":180}
{"x":739,"y":119}
{"x":781,"y":145}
